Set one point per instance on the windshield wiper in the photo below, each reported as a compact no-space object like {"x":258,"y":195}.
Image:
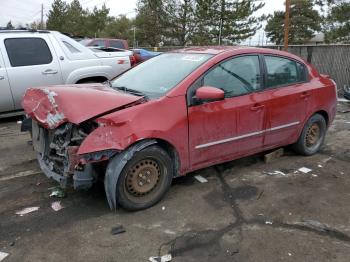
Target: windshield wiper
{"x":130,"y":90}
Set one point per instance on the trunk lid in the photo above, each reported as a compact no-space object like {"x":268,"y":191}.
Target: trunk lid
{"x":54,"y":105}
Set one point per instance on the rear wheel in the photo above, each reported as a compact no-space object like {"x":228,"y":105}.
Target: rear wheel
{"x":145,"y":179}
{"x":312,"y":136}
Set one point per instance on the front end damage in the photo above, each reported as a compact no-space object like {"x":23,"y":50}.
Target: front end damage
{"x":73,"y":145}
{"x":58,"y":154}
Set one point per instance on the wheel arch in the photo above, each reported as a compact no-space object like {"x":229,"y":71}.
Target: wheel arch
{"x":169,"y":148}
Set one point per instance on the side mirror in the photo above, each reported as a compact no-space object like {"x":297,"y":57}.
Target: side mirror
{"x":209,"y":93}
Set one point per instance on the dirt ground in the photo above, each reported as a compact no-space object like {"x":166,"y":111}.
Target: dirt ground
{"x":240,"y":214}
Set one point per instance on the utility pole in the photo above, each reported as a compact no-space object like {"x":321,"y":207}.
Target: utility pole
{"x":286,"y":25}
{"x":220,"y":31}
{"x":42,"y":17}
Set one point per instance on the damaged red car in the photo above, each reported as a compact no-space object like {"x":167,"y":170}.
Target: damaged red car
{"x":176,"y":113}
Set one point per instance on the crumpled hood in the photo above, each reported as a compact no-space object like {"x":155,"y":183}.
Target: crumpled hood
{"x":53,"y":105}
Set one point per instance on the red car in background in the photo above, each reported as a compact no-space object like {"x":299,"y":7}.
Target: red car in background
{"x":106,"y":42}
{"x":176,"y":113}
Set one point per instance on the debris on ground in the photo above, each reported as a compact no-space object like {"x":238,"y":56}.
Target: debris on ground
{"x":163,"y":208}
{"x":165,"y":258}
{"x":326,"y":159}
{"x":27,"y":210}
{"x":117,"y":230}
{"x":268,"y":222}
{"x":273,"y":155}
{"x":304,"y":170}
{"x":201,"y":179}
{"x":3,"y":255}
{"x":56,"y":206}
{"x":19,"y":122}
{"x":275,"y":173}
{"x":57,"y":192}
{"x":320,"y":166}
{"x":314,"y":175}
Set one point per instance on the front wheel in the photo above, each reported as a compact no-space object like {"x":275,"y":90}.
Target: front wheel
{"x":145,"y":179}
{"x":312,"y":136}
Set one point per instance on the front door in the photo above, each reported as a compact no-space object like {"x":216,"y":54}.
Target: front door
{"x":6,"y":99}
{"x":31,"y":62}
{"x":233,"y":127}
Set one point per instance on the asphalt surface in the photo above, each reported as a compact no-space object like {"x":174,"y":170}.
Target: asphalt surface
{"x":241,"y":213}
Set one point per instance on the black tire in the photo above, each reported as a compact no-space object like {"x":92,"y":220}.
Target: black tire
{"x":153,"y":162}
{"x":312,"y":136}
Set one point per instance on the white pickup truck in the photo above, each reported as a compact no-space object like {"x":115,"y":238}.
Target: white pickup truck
{"x":30,"y":58}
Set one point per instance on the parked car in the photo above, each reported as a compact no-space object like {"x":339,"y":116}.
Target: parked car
{"x":176,"y":113}
{"x":106,"y":42}
{"x":36,"y":58}
{"x":142,"y":55}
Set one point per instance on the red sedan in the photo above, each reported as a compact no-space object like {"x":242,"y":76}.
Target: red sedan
{"x":176,"y":113}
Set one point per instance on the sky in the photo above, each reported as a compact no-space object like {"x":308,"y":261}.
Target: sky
{"x":28,"y":11}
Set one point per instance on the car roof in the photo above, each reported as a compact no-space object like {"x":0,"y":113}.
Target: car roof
{"x":217,"y":50}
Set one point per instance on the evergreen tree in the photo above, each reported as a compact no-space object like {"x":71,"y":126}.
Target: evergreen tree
{"x":150,"y":21}
{"x":97,"y":21}
{"x":337,"y":25}
{"x":9,"y":25}
{"x":305,"y":21}
{"x":228,"y":21}
{"x":57,"y":17}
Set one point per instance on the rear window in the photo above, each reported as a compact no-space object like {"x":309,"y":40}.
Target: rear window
{"x":27,"y":51}
{"x":116,"y":44}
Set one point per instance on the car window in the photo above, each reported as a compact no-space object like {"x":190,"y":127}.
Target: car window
{"x":27,"y":51}
{"x":283,"y":71}
{"x":116,"y":44}
{"x":237,"y":76}
{"x":71,"y":48}
{"x":98,"y":43}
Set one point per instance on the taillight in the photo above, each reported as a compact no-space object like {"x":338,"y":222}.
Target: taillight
{"x":132,"y":60}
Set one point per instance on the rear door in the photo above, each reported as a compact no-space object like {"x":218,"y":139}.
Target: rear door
{"x":6,"y":99}
{"x":31,"y":62}
{"x":288,"y":97}
{"x":222,"y":130}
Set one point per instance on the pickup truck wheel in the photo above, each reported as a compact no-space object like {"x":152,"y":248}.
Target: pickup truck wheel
{"x":312,"y":136}
{"x":145,"y":179}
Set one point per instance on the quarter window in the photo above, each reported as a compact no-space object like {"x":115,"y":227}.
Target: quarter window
{"x":283,"y":71}
{"x":27,"y":51}
{"x":237,"y":76}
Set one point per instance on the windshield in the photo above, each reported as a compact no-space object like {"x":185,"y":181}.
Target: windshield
{"x":157,"y":76}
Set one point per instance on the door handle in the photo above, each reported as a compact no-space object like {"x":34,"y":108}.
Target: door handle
{"x":49,"y":72}
{"x":2,"y":77}
{"x":305,"y":94}
{"x":257,"y":107}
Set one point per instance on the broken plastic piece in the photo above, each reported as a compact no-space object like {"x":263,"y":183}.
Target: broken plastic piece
{"x":165,"y":258}
{"x":201,"y":179}
{"x":304,"y":170}
{"x":118,"y":230}
{"x":274,"y":173}
{"x":56,"y":206}
{"x":3,"y":255}
{"x":27,"y":210}
{"x":58,"y":192}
